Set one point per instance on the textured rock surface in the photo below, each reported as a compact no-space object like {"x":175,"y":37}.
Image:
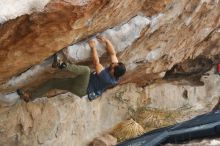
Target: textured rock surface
{"x":11,"y":9}
{"x":187,"y":30}
{"x":161,"y":45}
{"x":34,"y":37}
{"x":29,"y":39}
{"x":179,"y":45}
{"x":68,"y":120}
{"x":121,"y":36}
{"x":104,"y":140}
{"x":63,"y":120}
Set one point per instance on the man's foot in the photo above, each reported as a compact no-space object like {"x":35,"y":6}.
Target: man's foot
{"x":58,"y":62}
{"x":24,"y":95}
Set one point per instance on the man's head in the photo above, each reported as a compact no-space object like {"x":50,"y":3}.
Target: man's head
{"x":117,"y":69}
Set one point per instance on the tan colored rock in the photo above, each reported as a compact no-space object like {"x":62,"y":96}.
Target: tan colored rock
{"x":105,"y":140}
{"x":69,"y":120}
{"x":188,"y":29}
{"x":160,"y":45}
{"x":154,"y":6}
{"x":63,"y":120}
{"x":149,"y":63}
{"x":79,"y":52}
{"x":29,"y":39}
{"x":176,"y":37}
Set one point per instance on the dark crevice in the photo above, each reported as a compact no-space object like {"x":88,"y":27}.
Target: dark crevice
{"x":190,"y":70}
{"x":185,"y":94}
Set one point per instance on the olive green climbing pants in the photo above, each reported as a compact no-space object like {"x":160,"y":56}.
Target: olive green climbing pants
{"x":77,"y":85}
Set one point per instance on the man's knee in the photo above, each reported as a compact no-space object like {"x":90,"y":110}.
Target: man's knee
{"x":86,"y":70}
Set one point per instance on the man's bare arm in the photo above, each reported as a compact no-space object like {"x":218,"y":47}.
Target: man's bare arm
{"x":95,"y":57}
{"x":110,"y":49}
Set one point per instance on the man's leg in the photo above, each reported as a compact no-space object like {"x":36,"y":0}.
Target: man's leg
{"x":81,"y":81}
{"x":55,"y":83}
{"x":77,"y":85}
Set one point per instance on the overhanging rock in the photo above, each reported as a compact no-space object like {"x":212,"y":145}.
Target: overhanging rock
{"x":121,"y":36}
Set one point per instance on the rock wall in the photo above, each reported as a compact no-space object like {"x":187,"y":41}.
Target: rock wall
{"x":121,"y":36}
{"x":69,"y":120}
{"x":148,"y":45}
{"x":29,"y":39}
{"x":11,"y":9}
{"x":189,"y":29}
{"x":63,"y":120}
{"x":166,"y":45}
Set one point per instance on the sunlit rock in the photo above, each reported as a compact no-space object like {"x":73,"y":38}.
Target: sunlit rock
{"x":121,"y":37}
{"x":11,"y":9}
{"x":169,"y":48}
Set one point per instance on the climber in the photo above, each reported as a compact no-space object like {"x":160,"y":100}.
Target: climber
{"x":85,"y":83}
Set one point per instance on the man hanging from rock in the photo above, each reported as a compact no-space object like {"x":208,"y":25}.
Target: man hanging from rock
{"x":84,"y":83}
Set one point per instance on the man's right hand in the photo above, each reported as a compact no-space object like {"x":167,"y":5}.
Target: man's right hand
{"x":92,"y":43}
{"x":102,"y":38}
{"x":109,"y":47}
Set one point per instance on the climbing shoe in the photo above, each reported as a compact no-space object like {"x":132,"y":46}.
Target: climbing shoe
{"x":23,"y":95}
{"x":58,"y":62}
{"x":62,"y":65}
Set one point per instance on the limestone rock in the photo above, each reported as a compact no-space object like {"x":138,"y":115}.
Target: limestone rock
{"x":187,"y":30}
{"x":121,"y":36}
{"x":105,"y":140}
{"x":63,"y":120}
{"x":157,"y":40}
{"x":69,"y":120}
{"x":55,"y":24}
{"x":147,"y":49}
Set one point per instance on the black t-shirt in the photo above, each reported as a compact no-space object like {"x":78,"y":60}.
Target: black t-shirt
{"x":98,"y":83}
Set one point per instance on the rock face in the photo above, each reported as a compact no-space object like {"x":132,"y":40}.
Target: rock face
{"x":11,"y":9}
{"x":69,"y":120}
{"x":182,"y":33}
{"x":167,"y":46}
{"x":121,"y":36}
{"x":29,"y":39}
{"x":150,"y":49}
{"x":62,"y":120}
{"x":105,"y":140}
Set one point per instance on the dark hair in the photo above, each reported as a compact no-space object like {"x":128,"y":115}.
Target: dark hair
{"x":119,"y":70}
